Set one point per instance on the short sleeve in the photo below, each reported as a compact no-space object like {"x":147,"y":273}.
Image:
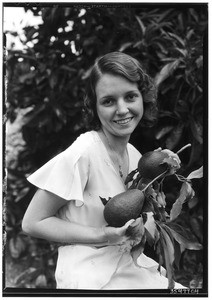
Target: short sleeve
{"x":65,"y":175}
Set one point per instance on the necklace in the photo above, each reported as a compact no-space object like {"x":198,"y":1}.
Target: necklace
{"x":117,"y":158}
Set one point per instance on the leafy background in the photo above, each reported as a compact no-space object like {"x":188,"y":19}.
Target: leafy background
{"x":45,"y":84}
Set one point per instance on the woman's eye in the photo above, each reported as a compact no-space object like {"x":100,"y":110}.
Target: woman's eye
{"x":131,"y":97}
{"x":108,"y":102}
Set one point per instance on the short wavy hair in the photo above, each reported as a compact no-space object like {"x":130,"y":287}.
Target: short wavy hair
{"x":120,"y":64}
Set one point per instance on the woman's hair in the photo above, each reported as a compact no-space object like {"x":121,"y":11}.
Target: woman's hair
{"x":120,"y":64}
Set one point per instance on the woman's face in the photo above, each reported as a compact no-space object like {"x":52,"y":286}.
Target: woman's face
{"x":119,"y":105}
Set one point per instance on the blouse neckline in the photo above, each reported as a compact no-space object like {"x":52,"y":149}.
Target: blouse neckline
{"x":109,"y":160}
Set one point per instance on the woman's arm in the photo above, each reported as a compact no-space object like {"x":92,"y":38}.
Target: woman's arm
{"x":40,"y":221}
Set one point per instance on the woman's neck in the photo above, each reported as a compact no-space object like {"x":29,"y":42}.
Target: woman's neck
{"x":117,"y":143}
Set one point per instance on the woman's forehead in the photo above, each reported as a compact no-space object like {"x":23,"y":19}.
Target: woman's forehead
{"x":112,"y":83}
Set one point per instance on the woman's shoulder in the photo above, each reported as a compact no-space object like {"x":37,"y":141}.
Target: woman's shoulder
{"x":134,"y":156}
{"x":133,"y":151}
{"x":85,"y":143}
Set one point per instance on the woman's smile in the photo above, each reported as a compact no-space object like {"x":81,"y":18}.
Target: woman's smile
{"x":119,"y":105}
{"x":123,"y":121}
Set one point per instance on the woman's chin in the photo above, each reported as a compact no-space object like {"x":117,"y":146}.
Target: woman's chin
{"x":126,"y":129}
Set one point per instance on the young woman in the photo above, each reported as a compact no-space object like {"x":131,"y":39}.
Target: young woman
{"x":67,"y":207}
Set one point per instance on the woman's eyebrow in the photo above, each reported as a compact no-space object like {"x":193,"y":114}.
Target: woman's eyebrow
{"x":132,"y":91}
{"x":125,"y":93}
{"x":106,"y":97}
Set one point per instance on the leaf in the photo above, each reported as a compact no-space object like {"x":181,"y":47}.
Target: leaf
{"x":161,"y":199}
{"x":130,"y":176}
{"x":125,"y":46}
{"x":104,"y":200}
{"x":41,"y":281}
{"x":176,"y":245}
{"x":53,"y":79}
{"x":143,"y":28}
{"x":199,"y":61}
{"x":197,"y":130}
{"x":135,"y":182}
{"x":67,"y":68}
{"x":171,"y":162}
{"x":196,"y":174}
{"x":177,"y":254}
{"x":138,"y":250}
{"x":26,"y":77}
{"x":17,"y":246}
{"x":166,"y":71}
{"x":161,"y":260}
{"x":184,"y":237}
{"x":186,"y":193}
{"x":150,"y":227}
{"x":194,"y":14}
{"x":184,"y":52}
{"x":174,"y":136}
{"x":168,"y":250}
{"x":22,"y":194}
{"x":163,"y":131}
{"x":176,"y":37}
{"x":148,"y":206}
{"x":136,"y":230}
{"x":26,"y":275}
{"x":196,"y":226}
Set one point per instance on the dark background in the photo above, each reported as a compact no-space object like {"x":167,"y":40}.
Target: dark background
{"x":45,"y":88}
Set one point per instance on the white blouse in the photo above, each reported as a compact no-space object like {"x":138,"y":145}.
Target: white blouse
{"x":82,"y":174}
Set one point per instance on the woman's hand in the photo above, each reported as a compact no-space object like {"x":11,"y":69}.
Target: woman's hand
{"x":117,"y":235}
{"x":128,"y":235}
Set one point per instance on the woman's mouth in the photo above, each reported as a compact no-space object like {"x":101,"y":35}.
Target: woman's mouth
{"x":123,"y":121}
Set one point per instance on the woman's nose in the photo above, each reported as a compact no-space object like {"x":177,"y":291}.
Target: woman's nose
{"x":122,"y":107}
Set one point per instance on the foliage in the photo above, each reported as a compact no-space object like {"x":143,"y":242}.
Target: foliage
{"x":162,"y":231}
{"x":47,"y":80}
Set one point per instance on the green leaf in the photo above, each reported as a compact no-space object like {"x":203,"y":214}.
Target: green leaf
{"x":196,"y":174}
{"x":186,"y":193}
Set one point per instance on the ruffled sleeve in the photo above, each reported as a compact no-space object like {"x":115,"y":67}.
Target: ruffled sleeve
{"x":65,"y":175}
